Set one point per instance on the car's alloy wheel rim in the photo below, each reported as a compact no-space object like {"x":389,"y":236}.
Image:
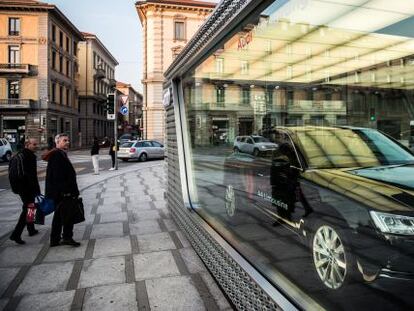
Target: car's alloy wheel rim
{"x":143,"y":157}
{"x":329,"y":257}
{"x":8,"y":156}
{"x":230,"y":201}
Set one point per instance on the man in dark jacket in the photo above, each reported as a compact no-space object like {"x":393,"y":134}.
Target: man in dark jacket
{"x":60,"y":183}
{"x":29,"y":189}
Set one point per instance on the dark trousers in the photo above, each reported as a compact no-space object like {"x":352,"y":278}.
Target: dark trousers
{"x":113,"y":159}
{"x":56,"y":233}
{"x":21,"y":223}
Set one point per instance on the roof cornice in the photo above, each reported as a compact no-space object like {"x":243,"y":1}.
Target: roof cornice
{"x":35,"y":6}
{"x":91,"y":36}
{"x":177,"y":3}
{"x":223,"y":16}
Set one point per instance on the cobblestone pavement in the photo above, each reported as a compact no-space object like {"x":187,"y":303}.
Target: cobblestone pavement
{"x":132,"y":256}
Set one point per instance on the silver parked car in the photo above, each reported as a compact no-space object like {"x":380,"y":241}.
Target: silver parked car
{"x":141,"y":150}
{"x":253,"y":144}
{"x":5,"y":150}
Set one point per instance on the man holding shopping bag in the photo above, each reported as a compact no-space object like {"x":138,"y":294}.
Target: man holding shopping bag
{"x":61,"y":185}
{"x":23,"y":180}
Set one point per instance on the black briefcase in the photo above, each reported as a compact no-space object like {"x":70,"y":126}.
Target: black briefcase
{"x":72,"y":211}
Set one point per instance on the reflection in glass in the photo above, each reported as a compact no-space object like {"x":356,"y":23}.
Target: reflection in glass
{"x":301,"y":127}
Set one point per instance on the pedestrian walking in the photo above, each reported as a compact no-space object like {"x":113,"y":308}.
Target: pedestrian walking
{"x":60,"y":184}
{"x":95,"y":155}
{"x":112,"y":149}
{"x":26,"y":185}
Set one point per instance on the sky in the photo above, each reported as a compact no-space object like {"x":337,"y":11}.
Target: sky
{"x":117,"y":25}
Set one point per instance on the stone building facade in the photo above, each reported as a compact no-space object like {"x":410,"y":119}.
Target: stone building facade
{"x":97,"y":79}
{"x":167,"y":27}
{"x":38,"y":72}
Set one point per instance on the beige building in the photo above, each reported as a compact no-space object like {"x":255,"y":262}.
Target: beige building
{"x":97,"y":79}
{"x":38,"y":71}
{"x":167,"y":27}
{"x":132,"y":122}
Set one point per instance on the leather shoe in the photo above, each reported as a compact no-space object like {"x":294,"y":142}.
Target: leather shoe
{"x":71,"y":242}
{"x":34,"y":232}
{"x":54,"y":244}
{"x":17,"y":240}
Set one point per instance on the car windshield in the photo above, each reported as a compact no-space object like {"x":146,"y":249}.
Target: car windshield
{"x":260,"y":139}
{"x":127,"y":145}
{"x":346,"y":148}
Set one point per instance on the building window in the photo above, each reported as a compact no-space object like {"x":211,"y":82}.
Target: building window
{"x":68,"y":97}
{"x":13,"y":89}
{"x":68,"y":68}
{"x":53,"y":33}
{"x":75,"y":48}
{"x":244,"y":67}
{"x":14,"y":26}
{"x":179,"y":31}
{"x":53,"y":59}
{"x":53,"y":93}
{"x":14,"y":54}
{"x":219,"y":65}
{"x":61,"y":64}
{"x":60,"y":39}
{"x":220,"y":95}
{"x":61,"y":95}
{"x":246,"y":96}
{"x":67,"y":44}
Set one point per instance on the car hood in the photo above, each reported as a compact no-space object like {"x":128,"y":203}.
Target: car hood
{"x":388,"y":189}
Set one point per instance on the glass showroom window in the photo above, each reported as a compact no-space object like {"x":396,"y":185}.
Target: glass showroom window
{"x":313,"y":180}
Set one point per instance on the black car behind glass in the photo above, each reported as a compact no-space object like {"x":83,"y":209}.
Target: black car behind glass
{"x":347,"y":193}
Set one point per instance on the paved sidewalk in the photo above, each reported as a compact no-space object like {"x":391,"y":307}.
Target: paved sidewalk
{"x":132,"y":254}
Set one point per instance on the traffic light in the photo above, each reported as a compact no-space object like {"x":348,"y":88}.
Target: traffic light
{"x":110,"y":106}
{"x":372,"y":116}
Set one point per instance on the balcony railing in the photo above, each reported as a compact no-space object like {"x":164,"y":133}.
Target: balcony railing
{"x":13,"y":103}
{"x":14,"y":33}
{"x":100,"y":73}
{"x":11,"y":68}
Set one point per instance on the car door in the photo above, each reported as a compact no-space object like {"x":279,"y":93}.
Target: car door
{"x":287,"y":199}
{"x":249,"y":145}
{"x":158,"y":149}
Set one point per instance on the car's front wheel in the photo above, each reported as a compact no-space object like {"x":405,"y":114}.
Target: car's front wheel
{"x":256,"y":152}
{"x":332,"y":257}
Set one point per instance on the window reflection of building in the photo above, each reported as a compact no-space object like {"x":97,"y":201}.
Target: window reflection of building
{"x":339,"y":85}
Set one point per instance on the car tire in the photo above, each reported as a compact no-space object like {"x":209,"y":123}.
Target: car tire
{"x":7,"y":156}
{"x":230,"y":201}
{"x":256,"y":152}
{"x":143,"y":157}
{"x":236,"y":150}
{"x":332,"y":259}
{"x":124,"y":160}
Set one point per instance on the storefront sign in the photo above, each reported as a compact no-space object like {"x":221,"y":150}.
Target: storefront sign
{"x":14,"y":118}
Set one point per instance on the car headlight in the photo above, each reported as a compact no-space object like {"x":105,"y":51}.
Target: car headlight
{"x":263,"y":147}
{"x":391,"y":223}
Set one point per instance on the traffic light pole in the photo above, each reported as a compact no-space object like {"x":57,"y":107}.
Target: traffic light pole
{"x":116,"y":129}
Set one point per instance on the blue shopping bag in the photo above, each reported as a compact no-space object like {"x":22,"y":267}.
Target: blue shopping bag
{"x":47,"y":206}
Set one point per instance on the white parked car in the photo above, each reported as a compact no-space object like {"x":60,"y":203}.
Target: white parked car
{"x":253,"y":144}
{"x":141,"y":150}
{"x":5,"y":150}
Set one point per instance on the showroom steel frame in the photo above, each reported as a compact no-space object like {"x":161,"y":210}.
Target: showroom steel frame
{"x":243,"y":284}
